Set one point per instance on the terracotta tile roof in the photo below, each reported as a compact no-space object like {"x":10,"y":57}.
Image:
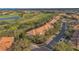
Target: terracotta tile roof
{"x":5,"y":43}
{"x":76,"y":27}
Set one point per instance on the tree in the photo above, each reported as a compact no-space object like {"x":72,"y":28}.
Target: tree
{"x":21,"y":45}
{"x":38,"y":39}
{"x":63,"y":46}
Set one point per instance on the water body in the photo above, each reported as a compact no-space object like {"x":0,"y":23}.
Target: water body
{"x":10,"y":18}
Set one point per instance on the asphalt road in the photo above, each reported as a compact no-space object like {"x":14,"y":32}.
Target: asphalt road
{"x":58,"y":37}
{"x":54,"y":41}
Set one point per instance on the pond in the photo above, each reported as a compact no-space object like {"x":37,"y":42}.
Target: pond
{"x":10,"y":18}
